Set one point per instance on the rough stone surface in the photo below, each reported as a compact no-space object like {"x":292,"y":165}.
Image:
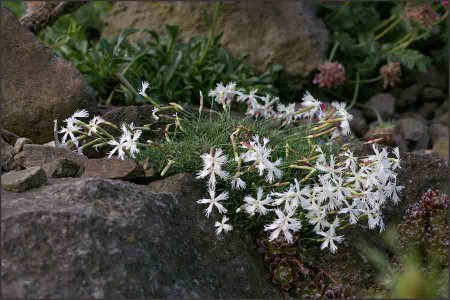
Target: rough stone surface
{"x":8,"y":136}
{"x":415,"y":131}
{"x":113,"y":169}
{"x":283,"y":32}
{"x":37,"y":87}
{"x":6,"y":155}
{"x":19,"y":181}
{"x":62,"y":167}
{"x":427,"y":110}
{"x":383,"y":103}
{"x":434,"y":78}
{"x":358,"y":124}
{"x":432,"y":94}
{"x":409,"y":96}
{"x":37,"y":155}
{"x":98,"y":238}
{"x":18,"y":146}
{"x":440,"y":138}
{"x":139,"y":115}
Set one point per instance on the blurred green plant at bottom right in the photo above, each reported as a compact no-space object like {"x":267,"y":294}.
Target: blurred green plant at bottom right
{"x":417,"y":263}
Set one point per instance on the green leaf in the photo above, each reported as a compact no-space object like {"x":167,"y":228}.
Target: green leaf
{"x":173,"y":31}
{"x":171,"y":70}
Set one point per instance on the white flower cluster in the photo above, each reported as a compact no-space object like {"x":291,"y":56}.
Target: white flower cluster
{"x":345,"y":189}
{"x":269,"y":108}
{"x":76,"y":130}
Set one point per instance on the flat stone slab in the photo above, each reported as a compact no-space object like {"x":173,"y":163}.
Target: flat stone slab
{"x":19,"y":181}
{"x":113,"y":169}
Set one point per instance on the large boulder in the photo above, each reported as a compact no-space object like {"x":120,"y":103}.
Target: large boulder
{"x":282,"y":32}
{"x":99,"y":238}
{"x":37,"y":87}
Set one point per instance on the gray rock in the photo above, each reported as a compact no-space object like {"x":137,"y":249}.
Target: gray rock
{"x":359,"y":124}
{"x":427,"y":110}
{"x":409,"y":96}
{"x":37,"y":86}
{"x":19,"y":181}
{"x":8,"y":136}
{"x":434,"y":78}
{"x":139,"y":115}
{"x":18,"y":146}
{"x":98,"y":238}
{"x":36,"y":155}
{"x":430,"y":94}
{"x":415,"y":131}
{"x":440,"y":138}
{"x":113,"y":169}
{"x":51,"y":144}
{"x":6,"y":155}
{"x":280,"y":32}
{"x":62,"y":167}
{"x":383,"y":103}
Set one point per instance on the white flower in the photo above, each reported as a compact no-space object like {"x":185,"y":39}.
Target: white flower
{"x":69,"y":131}
{"x":221,"y":226}
{"x":81,"y":113}
{"x":238,"y":184}
{"x":286,"y":112}
{"x":351,"y":161}
{"x":154,"y":115}
{"x":344,"y":115}
{"x":330,"y":169}
{"x":214,"y":201}
{"x":292,"y":197}
{"x":353,"y":210}
{"x":396,"y":163}
{"x":119,"y":147}
{"x":221,"y":92}
{"x":212,"y":166}
{"x":145,"y":85}
{"x":249,"y":98}
{"x":253,"y":205}
{"x":330,"y":237}
{"x":310,"y":102}
{"x":284,"y":223}
{"x":130,"y":138}
{"x":260,"y":154}
{"x":93,"y":124}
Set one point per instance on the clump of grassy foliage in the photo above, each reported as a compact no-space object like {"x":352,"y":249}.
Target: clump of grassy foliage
{"x":201,"y":134}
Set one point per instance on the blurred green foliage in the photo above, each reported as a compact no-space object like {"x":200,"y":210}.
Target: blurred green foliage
{"x":368,"y":35}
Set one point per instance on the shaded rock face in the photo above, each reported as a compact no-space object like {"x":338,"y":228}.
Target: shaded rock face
{"x":113,"y":169}
{"x":98,"y":238}
{"x":6,"y":155}
{"x":37,"y":87}
{"x":282,"y":32}
{"x":19,"y":181}
{"x":37,"y":155}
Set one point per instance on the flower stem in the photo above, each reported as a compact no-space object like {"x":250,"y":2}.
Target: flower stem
{"x":355,"y":94}
{"x":333,"y":51}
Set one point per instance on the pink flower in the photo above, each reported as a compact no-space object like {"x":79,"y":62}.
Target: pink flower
{"x":391,"y":74}
{"x":422,"y":14}
{"x":331,"y":75}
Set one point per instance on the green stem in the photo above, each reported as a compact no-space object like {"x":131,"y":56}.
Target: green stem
{"x":375,"y":79}
{"x":355,"y":94}
{"x":384,"y":23}
{"x":389,"y":28}
{"x":212,"y":33}
{"x":333,"y":51}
